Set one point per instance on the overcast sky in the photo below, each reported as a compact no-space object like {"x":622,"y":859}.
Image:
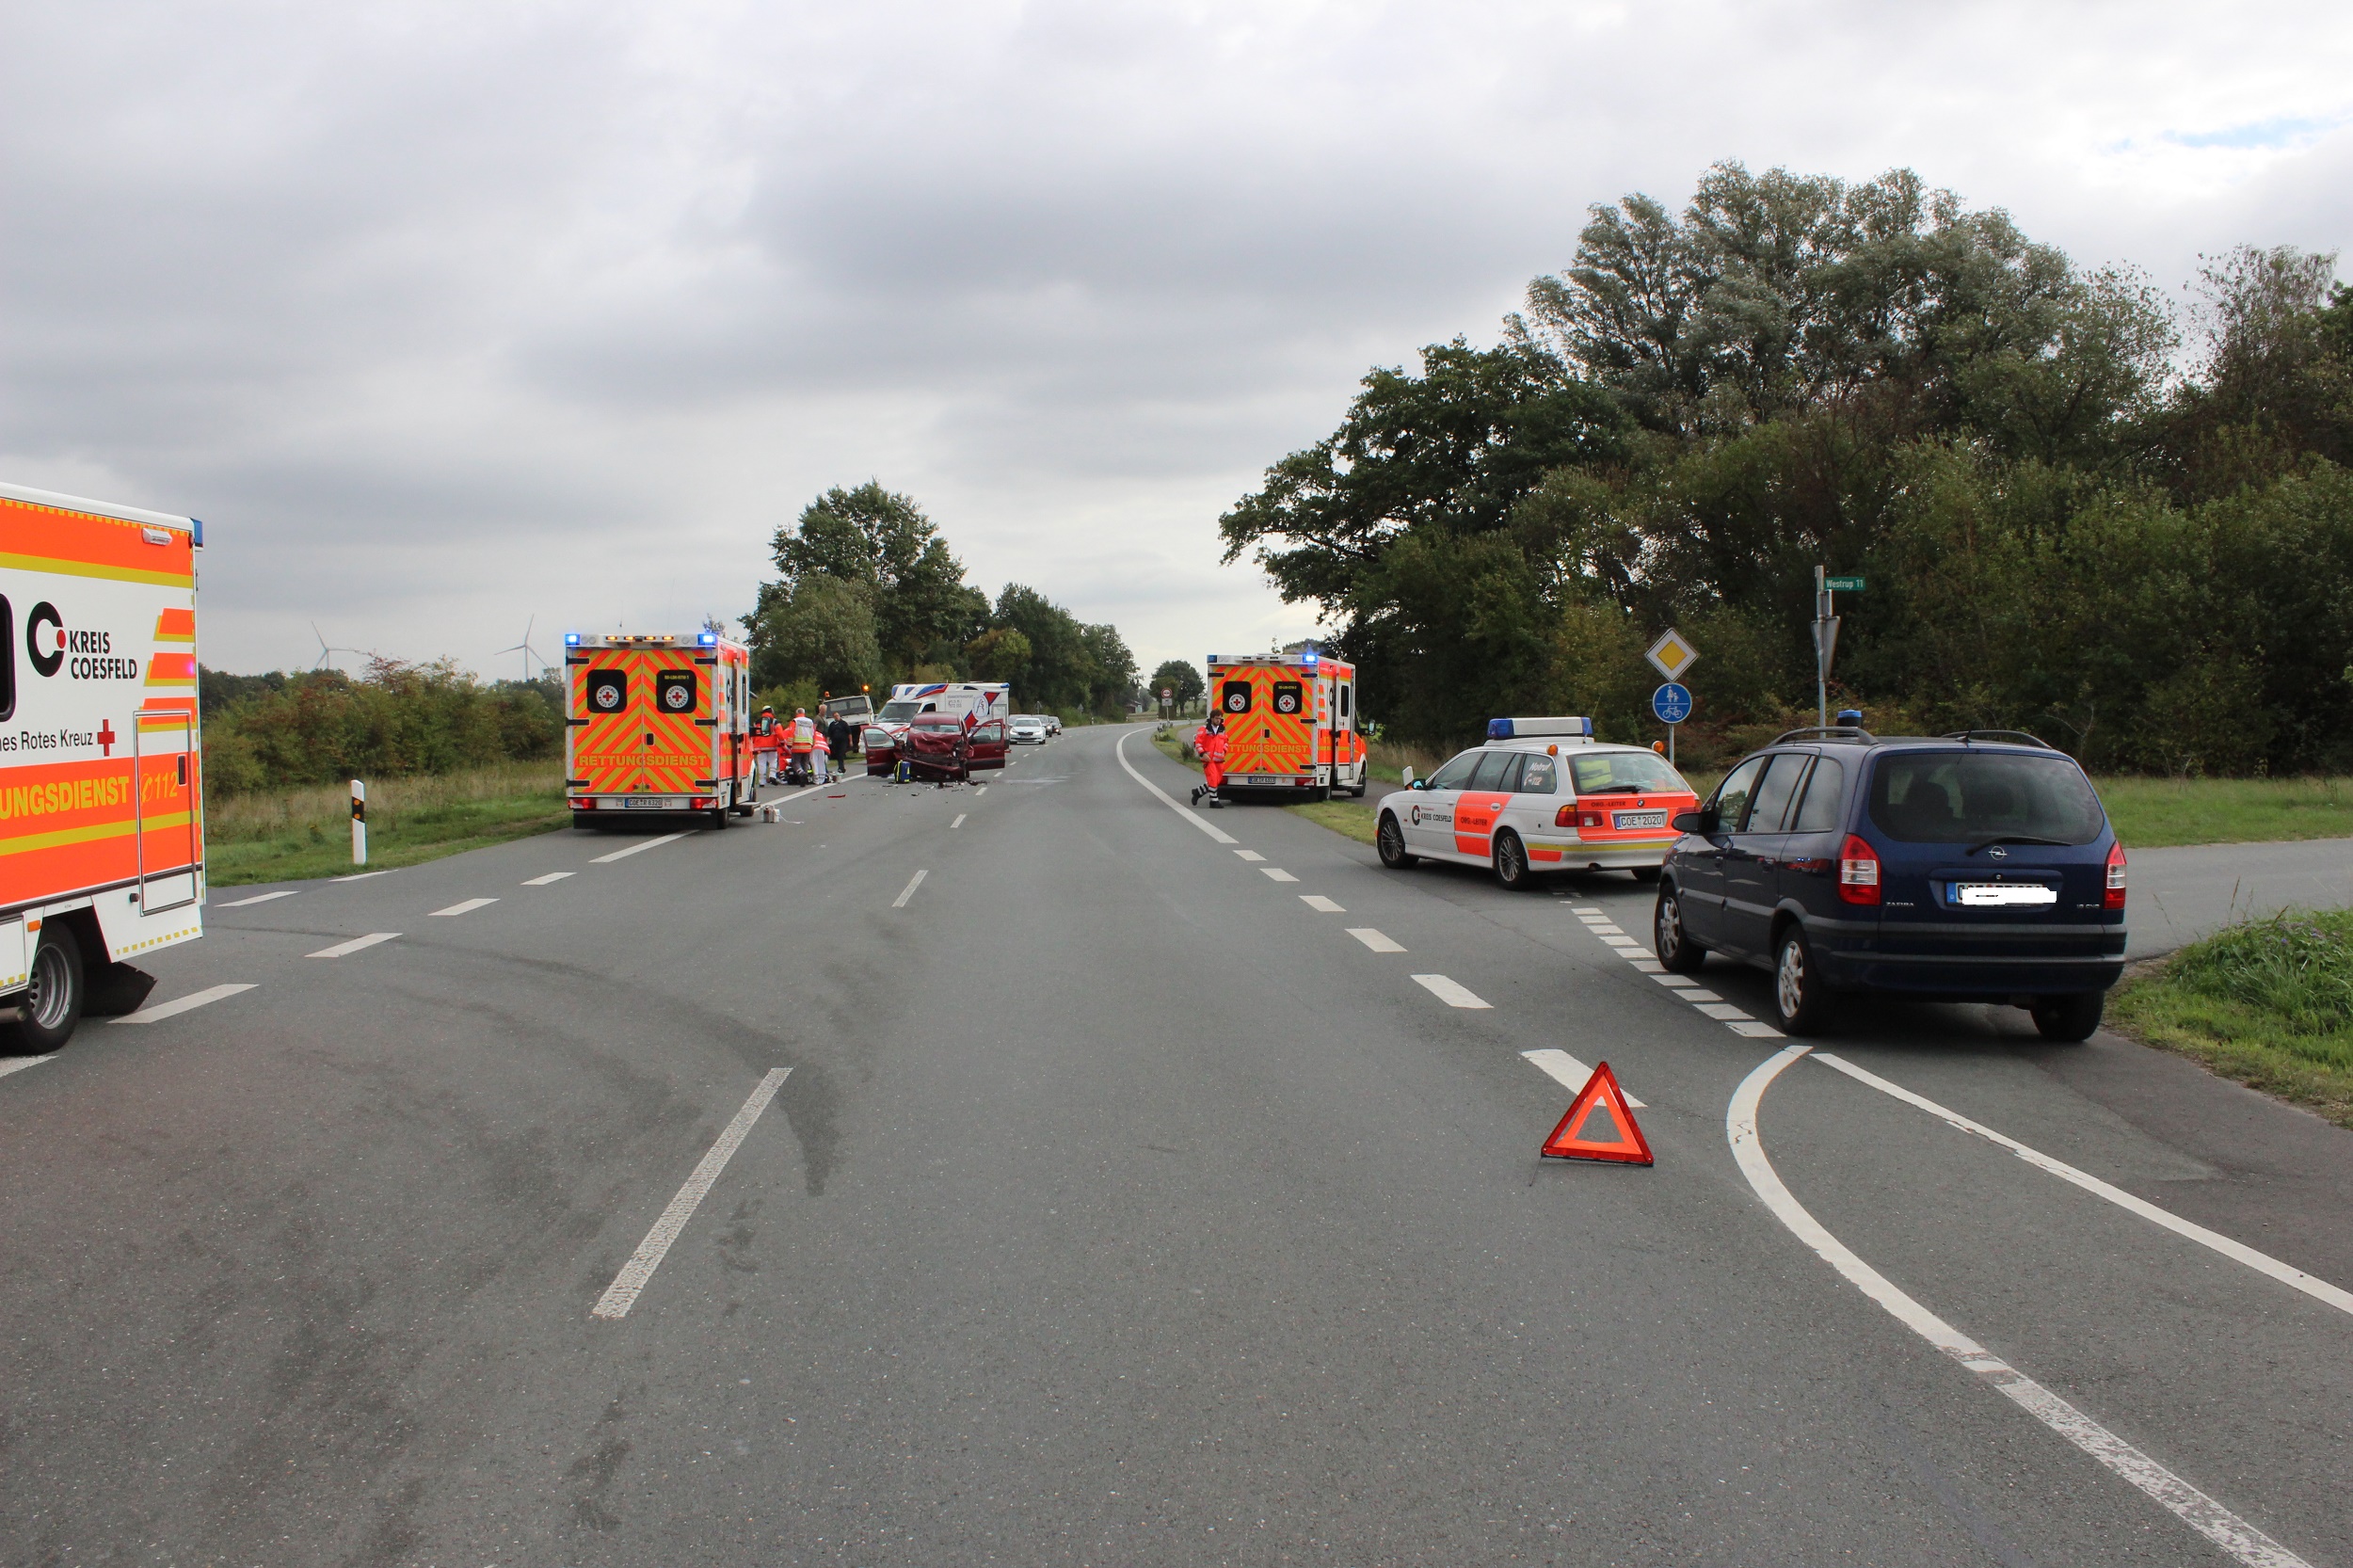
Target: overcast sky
{"x":448,"y":315}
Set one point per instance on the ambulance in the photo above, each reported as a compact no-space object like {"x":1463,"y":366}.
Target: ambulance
{"x":1291,"y":722}
{"x":1541,"y":795}
{"x":102,"y":821}
{"x":657,"y":722}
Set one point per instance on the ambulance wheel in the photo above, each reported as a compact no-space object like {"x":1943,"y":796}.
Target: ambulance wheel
{"x":1389,"y":839}
{"x":1320,"y":792}
{"x":50,"y":1003}
{"x":719,"y":815}
{"x":1512,"y":868}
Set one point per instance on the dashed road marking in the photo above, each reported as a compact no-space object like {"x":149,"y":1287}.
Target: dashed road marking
{"x":1320,"y":905}
{"x":1568,"y":1070}
{"x":260,"y":898}
{"x":361,"y":876}
{"x":178,"y":1005}
{"x":1276,"y":873}
{"x":908,"y":891}
{"x":622,"y":1293}
{"x":1584,"y":909}
{"x":1675,"y":981}
{"x":2177,"y":1496}
{"x":2286,"y":1273}
{"x":340,"y":949}
{"x":1724,"y":1011}
{"x":959,"y":822}
{"x":1250,"y":855}
{"x":640,"y":848}
{"x":1450,"y":992}
{"x":543,"y":881}
{"x":1379,"y":943}
{"x":1623,"y":943}
{"x":24,"y":1062}
{"x":465,"y":907}
{"x":979,"y":792}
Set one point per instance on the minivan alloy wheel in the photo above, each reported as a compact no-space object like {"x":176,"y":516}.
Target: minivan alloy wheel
{"x":1677,"y":954}
{"x":1798,"y":995}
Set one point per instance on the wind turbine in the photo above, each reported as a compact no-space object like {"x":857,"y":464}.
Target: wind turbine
{"x":528,"y":651}
{"x":326,"y":654}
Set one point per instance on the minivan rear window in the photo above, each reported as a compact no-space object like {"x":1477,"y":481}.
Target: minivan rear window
{"x":1954,"y":797}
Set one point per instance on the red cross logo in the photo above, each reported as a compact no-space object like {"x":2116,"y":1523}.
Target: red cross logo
{"x":105,"y":737}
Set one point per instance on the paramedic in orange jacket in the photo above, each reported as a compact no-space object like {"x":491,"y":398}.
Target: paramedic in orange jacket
{"x":1210,"y":743}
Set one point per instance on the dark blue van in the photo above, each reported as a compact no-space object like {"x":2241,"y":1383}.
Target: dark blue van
{"x":1976,"y":867}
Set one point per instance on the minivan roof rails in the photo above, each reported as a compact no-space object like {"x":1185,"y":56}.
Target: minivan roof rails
{"x":2017,"y":737}
{"x":1853,"y":732}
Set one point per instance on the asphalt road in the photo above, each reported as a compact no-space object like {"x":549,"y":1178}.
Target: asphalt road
{"x":1118,"y":1204}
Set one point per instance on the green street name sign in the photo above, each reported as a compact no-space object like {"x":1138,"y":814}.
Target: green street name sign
{"x":1843,"y":585}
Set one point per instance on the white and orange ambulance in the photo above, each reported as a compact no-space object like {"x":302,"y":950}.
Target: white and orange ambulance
{"x":657,"y":722}
{"x":102,"y":822}
{"x":1540,"y":795}
{"x":1291,"y":722}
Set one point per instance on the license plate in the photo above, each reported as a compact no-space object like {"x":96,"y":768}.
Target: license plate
{"x":1640,"y":819}
{"x":636,"y":802}
{"x":2004,"y":895}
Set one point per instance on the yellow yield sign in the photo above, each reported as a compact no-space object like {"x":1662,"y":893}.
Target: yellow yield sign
{"x":1670,"y":655}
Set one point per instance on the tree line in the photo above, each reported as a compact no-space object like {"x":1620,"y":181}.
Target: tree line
{"x":2079,"y":511}
{"x":867,"y":594}
{"x":280,"y":731}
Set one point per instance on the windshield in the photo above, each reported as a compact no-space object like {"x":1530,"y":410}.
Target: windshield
{"x":1625,"y":773}
{"x":906,"y":709}
{"x":1949,"y":798}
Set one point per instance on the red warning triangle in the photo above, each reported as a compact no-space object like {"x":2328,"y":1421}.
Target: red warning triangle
{"x":1599,"y":1126}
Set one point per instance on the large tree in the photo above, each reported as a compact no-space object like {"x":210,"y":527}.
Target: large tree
{"x":881,"y":540}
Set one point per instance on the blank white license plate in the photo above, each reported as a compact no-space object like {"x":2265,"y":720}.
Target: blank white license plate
{"x":2007,"y":895}
{"x":1640,"y":819}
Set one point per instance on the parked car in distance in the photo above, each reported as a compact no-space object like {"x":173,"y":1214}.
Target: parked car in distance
{"x":1053,"y":723}
{"x":1973,"y":867}
{"x":1026,"y":730}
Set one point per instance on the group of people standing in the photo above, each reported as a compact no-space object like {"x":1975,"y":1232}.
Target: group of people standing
{"x":799,"y":749}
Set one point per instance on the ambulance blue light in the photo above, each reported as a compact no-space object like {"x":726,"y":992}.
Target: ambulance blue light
{"x":1309,"y":656}
{"x":571,"y":639}
{"x":709,"y":639}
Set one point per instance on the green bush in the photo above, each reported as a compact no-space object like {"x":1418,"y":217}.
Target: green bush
{"x":398,"y":721}
{"x":2295,"y":967}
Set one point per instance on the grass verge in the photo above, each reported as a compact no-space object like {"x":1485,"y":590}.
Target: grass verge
{"x":2269,"y":1004}
{"x":2149,"y":812}
{"x":1353,"y":817}
{"x":296,"y":834}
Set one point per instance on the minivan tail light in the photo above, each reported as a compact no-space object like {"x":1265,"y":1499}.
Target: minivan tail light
{"x":1858,"y":871}
{"x":2113,"y":898}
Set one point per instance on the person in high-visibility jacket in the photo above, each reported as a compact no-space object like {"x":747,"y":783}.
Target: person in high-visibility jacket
{"x":803,"y":739}
{"x":764,"y":747}
{"x":1211,"y":745}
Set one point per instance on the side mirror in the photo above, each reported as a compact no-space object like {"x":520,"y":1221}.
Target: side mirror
{"x":1406,"y":775}
{"x":1694,"y":821}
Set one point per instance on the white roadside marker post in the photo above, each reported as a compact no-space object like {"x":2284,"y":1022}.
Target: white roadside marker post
{"x":359,"y":822}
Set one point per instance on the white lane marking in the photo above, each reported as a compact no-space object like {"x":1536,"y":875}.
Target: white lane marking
{"x":340,"y":948}
{"x":1695,"y":994}
{"x":1725,"y":1012}
{"x":1677,"y":981}
{"x":2263,"y":1263}
{"x":640,"y":848}
{"x":1276,"y":873}
{"x":1320,"y":905}
{"x":361,"y":876}
{"x":1574,"y":1074}
{"x":1250,"y":855}
{"x":543,"y":881}
{"x":260,"y":898}
{"x":466,"y":907}
{"x":1120,"y":751}
{"x":1447,"y":991}
{"x":1643,"y":963}
{"x":959,"y":822}
{"x":1584,"y":909}
{"x":622,"y":1293}
{"x":24,"y":1062}
{"x":181,"y":1004}
{"x":1376,"y":941}
{"x":2204,"y":1514}
{"x":908,"y":891}
{"x":1751,"y":1029}
{"x":979,"y":792}
{"x":1604,"y":928}
{"x":1621,"y":943}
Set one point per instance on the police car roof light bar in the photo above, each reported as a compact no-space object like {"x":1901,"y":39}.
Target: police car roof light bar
{"x":1516,"y":729}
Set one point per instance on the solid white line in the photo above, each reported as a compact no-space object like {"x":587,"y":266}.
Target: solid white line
{"x":1250,"y":855}
{"x":260,"y":898}
{"x":1374,"y":940}
{"x":640,"y":848}
{"x":2204,"y":1514}
{"x":959,"y":822}
{"x":468,"y":907}
{"x":2286,"y":1273}
{"x":908,"y":891}
{"x":1447,"y":991}
{"x":24,"y":1062}
{"x":622,"y":1293}
{"x":183,"y":1004}
{"x":1572,"y":1073}
{"x":354,"y":945}
{"x":1320,"y":905}
{"x":543,"y":881}
{"x":1276,"y":873}
{"x":1120,"y":751}
{"x":361,"y":876}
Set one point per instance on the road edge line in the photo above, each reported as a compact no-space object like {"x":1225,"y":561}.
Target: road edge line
{"x":1120,"y":751}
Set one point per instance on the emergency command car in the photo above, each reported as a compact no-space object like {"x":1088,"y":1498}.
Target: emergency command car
{"x":1541,"y":795}
{"x":1291,"y":722}
{"x":657,"y":723}
{"x":102,"y":822}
